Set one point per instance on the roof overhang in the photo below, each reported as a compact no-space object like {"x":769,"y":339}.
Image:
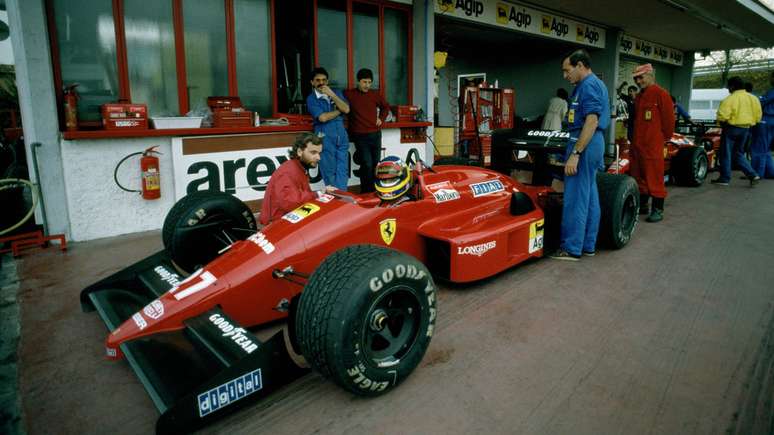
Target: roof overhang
{"x":688,"y":25}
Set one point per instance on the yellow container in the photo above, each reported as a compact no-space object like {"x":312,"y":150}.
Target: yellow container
{"x":444,"y":140}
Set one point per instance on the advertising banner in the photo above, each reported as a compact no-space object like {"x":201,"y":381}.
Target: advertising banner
{"x":525,"y":19}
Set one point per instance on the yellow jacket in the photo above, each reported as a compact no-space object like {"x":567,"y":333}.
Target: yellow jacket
{"x":740,"y":109}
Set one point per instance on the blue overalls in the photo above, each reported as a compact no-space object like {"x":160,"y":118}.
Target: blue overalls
{"x":334,"y":159}
{"x":763,"y":136}
{"x":581,"y":212}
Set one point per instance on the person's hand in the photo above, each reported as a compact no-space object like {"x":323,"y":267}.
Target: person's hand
{"x":571,"y":166}
{"x":330,"y":189}
{"x":327,"y":91}
{"x":378,"y":122}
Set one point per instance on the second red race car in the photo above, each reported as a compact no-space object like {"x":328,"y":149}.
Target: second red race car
{"x":352,"y":274}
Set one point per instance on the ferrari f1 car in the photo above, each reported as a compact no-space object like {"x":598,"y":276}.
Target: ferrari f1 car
{"x":685,"y":162}
{"x":352,"y":274}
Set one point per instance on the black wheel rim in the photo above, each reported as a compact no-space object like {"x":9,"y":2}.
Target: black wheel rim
{"x":391,"y":326}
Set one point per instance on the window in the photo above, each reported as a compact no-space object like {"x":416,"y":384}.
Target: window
{"x":293,"y":24}
{"x":173,"y":54}
{"x":365,"y":40}
{"x":252,"y":28}
{"x":379,"y":38}
{"x":332,"y":42}
{"x":700,"y":104}
{"x":87,"y":52}
{"x":206,"y":65}
{"x":150,"y":53}
{"x":396,"y":55}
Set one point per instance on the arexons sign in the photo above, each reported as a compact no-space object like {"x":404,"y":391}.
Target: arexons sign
{"x":523,"y":18}
{"x":242,"y":165}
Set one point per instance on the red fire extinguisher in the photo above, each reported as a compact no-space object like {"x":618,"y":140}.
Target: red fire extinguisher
{"x":71,"y":107}
{"x":150,"y":174}
{"x":151,"y":178}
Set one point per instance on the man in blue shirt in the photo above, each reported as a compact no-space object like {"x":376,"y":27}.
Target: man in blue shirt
{"x":327,"y":107}
{"x":588,"y":117}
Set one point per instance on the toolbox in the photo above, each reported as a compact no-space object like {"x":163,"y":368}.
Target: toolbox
{"x":228,"y":112}
{"x":124,"y":116}
{"x":405,"y":113}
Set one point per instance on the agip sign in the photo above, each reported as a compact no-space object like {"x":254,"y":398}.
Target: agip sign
{"x":523,"y":19}
{"x":632,"y":46}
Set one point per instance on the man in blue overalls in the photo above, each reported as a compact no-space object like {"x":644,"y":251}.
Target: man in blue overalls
{"x":763,"y":136}
{"x":588,"y":116}
{"x":326,"y":107}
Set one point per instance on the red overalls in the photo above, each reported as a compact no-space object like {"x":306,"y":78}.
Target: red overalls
{"x":654,"y":124}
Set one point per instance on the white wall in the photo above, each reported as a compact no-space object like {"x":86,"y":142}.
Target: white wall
{"x":96,"y":206}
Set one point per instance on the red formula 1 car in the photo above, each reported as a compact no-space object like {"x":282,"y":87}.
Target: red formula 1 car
{"x":688,"y":156}
{"x":353,"y":275}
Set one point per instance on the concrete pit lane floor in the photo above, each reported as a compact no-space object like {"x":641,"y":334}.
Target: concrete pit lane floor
{"x":670,"y":335}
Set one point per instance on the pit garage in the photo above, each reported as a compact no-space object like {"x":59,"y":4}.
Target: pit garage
{"x":670,"y":334}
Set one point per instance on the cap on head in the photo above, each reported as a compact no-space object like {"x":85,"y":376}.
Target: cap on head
{"x":643,"y":69}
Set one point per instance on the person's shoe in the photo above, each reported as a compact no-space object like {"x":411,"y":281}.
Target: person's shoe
{"x":754,"y":180}
{"x":644,"y":210}
{"x":589,"y":253}
{"x":719,"y":182}
{"x":561,"y":254}
{"x":655,"y":216}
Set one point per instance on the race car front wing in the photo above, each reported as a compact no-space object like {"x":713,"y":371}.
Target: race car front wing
{"x":209,"y":369}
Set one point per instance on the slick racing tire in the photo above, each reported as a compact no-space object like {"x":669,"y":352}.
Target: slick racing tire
{"x":201,"y":224}
{"x":620,"y":203}
{"x":366,"y":317}
{"x":690,"y":166}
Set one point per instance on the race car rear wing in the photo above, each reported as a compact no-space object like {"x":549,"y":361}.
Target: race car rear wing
{"x":507,"y":144}
{"x":209,"y":369}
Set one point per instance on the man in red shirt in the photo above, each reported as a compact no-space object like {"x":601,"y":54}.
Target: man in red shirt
{"x":289,"y":184}
{"x":365,"y":124}
{"x":654,"y":123}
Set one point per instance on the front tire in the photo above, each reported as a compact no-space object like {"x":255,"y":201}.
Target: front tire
{"x":619,"y":200}
{"x":201,"y":224}
{"x":366,"y":317}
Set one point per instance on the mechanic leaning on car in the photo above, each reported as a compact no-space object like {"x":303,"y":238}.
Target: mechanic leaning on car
{"x":588,"y":117}
{"x":654,"y":124}
{"x":289,"y":185}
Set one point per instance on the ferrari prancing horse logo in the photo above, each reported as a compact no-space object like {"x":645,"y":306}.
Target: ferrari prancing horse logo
{"x":387,"y":228}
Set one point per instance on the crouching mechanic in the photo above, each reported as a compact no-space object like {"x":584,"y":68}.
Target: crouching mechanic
{"x":588,"y":117}
{"x":289,"y":184}
{"x":392,"y":181}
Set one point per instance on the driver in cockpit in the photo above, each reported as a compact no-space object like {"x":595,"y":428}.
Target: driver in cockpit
{"x":393,"y":181}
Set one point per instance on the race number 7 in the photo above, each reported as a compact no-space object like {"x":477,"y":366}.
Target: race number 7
{"x":205,"y":279}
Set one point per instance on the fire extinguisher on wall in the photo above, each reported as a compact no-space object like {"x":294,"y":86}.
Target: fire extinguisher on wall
{"x":150,"y":174}
{"x":71,"y":107}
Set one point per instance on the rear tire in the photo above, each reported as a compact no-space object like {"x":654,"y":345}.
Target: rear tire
{"x":690,"y":166}
{"x":201,"y":224}
{"x":366,"y":317}
{"x":619,"y":200}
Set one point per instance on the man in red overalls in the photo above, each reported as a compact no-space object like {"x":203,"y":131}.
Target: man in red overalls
{"x":654,"y":124}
